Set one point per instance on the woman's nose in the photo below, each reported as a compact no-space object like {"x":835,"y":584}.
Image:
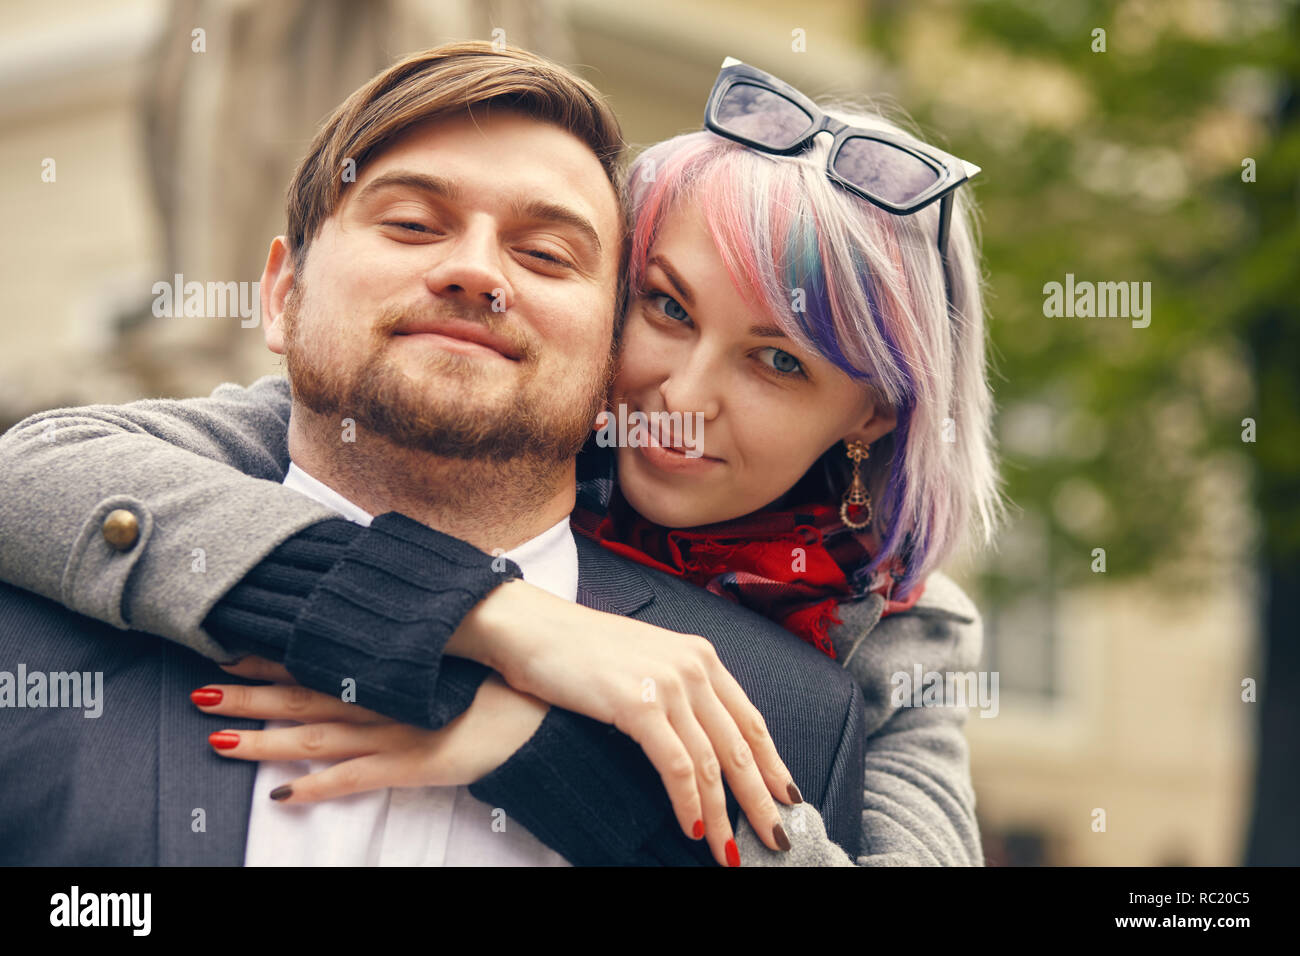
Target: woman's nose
{"x":468,"y":268}
{"x":692,"y":387}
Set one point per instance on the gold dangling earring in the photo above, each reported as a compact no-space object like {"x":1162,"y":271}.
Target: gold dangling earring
{"x":855,"y":510}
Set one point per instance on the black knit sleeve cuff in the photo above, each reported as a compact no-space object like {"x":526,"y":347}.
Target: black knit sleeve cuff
{"x":590,"y":793}
{"x":375,"y":628}
{"x":256,"y":616}
{"x":366,"y":613}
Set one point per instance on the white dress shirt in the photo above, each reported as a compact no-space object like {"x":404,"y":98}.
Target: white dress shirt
{"x":404,"y":826}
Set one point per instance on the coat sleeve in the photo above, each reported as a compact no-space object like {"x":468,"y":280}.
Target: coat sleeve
{"x":918,"y":801}
{"x":226,"y":560}
{"x":182,"y":470}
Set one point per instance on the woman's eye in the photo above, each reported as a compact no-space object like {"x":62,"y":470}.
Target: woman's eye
{"x":783,"y":362}
{"x":670,"y":307}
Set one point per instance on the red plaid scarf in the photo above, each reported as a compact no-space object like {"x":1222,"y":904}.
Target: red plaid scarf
{"x":793,"y":565}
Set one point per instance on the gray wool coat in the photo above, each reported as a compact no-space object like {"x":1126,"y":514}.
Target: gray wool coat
{"x":185,"y":467}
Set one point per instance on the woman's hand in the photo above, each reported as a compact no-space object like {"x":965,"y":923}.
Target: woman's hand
{"x":375,"y":751}
{"x":379,"y":752}
{"x":665,"y":690}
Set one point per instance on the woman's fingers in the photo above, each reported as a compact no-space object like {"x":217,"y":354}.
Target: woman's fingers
{"x":259,"y":668}
{"x":780,"y":782}
{"x":280,"y":702}
{"x":685,"y":756}
{"x":751,"y":725}
{"x":730,"y":754}
{"x":664,"y":749}
{"x":700,"y":730}
{"x":372,"y":772}
{"x":311,"y":741}
{"x":708,"y":775}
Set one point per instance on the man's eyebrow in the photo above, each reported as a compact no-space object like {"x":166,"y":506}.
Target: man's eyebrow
{"x":545,"y":211}
{"x":421,"y":182}
{"x":677,"y":281}
{"x":537,"y":209}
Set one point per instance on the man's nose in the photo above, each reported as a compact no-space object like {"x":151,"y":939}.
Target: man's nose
{"x":468,"y":267}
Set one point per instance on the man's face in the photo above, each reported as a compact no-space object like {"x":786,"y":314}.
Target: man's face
{"x":460,"y":299}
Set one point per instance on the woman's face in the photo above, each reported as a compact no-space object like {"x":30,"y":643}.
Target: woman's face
{"x":769,"y":408}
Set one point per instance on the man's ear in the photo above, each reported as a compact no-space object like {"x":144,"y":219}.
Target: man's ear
{"x":880,"y":421}
{"x":277,"y":283}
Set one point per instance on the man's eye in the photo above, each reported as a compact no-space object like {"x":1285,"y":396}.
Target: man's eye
{"x":783,"y":362}
{"x":409,"y":226}
{"x":546,"y":257}
{"x":670,"y":307}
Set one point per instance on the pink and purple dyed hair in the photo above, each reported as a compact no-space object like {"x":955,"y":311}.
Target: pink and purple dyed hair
{"x":874,"y":306}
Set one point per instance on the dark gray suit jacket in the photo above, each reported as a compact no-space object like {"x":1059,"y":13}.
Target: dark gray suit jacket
{"x":127,"y":788}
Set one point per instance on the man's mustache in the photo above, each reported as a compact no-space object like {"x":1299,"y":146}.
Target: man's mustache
{"x":400,"y":320}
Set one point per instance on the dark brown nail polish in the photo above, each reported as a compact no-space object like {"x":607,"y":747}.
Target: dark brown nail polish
{"x":793,"y":791}
{"x":283,"y":792}
{"x":783,"y":841}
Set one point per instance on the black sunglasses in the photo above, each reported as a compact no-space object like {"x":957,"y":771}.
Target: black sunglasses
{"x":899,"y":175}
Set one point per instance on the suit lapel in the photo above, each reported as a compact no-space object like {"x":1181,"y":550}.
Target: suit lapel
{"x":608,"y":583}
{"x":191,"y":777}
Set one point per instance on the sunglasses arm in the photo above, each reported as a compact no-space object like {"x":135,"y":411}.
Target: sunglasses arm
{"x":945,"y":219}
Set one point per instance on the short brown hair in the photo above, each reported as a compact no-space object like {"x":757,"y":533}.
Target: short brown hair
{"x":442,"y":81}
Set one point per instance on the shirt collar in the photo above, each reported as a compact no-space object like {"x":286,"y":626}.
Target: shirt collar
{"x":303,"y":483}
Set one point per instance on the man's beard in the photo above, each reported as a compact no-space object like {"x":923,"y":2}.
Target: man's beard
{"x":440,"y":417}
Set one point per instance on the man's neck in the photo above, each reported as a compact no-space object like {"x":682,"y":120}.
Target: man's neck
{"x":489,"y":504}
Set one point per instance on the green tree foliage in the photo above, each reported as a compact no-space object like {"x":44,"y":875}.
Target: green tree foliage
{"x":1122,"y":166}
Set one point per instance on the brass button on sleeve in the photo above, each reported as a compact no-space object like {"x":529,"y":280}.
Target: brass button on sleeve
{"x":121,"y":529}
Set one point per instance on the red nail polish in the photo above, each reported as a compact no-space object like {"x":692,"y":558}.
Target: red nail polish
{"x":733,"y":854}
{"x":697,"y":831}
{"x":206,"y":696}
{"x":223,"y":741}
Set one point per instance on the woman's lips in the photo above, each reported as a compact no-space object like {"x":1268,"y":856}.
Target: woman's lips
{"x":674,"y":461}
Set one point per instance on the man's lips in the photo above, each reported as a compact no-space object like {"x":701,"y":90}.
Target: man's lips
{"x":463,"y":331}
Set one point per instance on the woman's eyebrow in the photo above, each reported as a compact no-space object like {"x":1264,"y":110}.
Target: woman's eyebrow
{"x":678,"y":283}
{"x":683,"y":290}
